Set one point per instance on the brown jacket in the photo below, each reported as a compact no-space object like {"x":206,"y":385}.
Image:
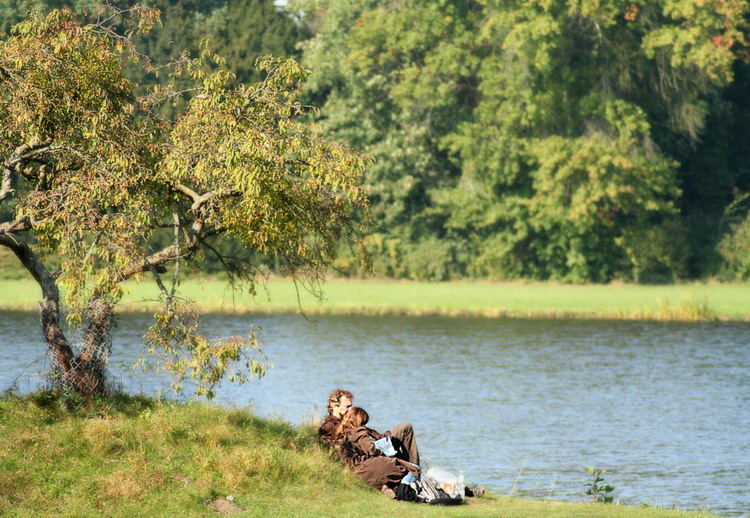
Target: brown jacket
{"x":369,"y":463}
{"x":327,"y":433}
{"x":360,"y":439}
{"x":357,"y":446}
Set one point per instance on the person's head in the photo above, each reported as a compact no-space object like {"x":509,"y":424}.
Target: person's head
{"x":354,"y":418}
{"x":339,"y":401}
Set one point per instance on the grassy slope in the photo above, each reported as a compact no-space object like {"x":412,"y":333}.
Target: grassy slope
{"x":671,"y":302}
{"x":137,"y":457}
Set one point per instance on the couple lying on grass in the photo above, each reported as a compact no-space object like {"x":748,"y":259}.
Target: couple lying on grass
{"x":382,"y":461}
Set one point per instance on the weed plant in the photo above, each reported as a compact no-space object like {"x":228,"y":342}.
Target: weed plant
{"x":598,"y":488}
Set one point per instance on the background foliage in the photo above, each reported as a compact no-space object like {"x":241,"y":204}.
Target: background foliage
{"x":578,"y":140}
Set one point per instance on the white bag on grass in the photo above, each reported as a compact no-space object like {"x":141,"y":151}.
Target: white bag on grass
{"x":438,"y":486}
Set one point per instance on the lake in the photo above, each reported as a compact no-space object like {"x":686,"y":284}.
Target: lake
{"x":520,"y":406}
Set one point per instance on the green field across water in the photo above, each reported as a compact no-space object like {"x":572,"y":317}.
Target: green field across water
{"x":681,"y":302}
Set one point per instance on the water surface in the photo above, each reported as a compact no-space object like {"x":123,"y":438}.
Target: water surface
{"x":520,"y":406}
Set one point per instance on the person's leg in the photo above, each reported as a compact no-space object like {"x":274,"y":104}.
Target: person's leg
{"x":405,"y":433}
{"x":380,"y":471}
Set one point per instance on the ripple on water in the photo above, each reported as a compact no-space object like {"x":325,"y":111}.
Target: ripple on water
{"x":518,"y":405}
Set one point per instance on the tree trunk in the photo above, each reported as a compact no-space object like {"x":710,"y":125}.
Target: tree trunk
{"x":96,"y":346}
{"x":84,"y":373}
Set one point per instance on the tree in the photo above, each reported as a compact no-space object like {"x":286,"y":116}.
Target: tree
{"x":576,"y":138}
{"x":90,"y":172}
{"x":534,"y":138}
{"x":395,"y":77}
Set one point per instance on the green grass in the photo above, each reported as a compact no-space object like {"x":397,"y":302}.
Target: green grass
{"x":132,"y":456}
{"x":689,"y":302}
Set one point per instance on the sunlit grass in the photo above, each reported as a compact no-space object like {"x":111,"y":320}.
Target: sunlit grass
{"x":132,"y":456}
{"x":689,"y":302}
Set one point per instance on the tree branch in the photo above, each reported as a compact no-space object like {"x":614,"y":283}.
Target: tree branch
{"x":187,"y":191}
{"x":231,"y":268}
{"x":157,"y":259}
{"x":194,"y":235}
{"x":24,"y":153}
{"x":27,"y":151}
{"x":214,"y":195}
{"x":6,"y":185}
{"x":21,"y":224}
{"x":199,"y":200}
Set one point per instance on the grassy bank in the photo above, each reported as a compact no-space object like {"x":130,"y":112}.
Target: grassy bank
{"x":137,"y":457}
{"x":688,"y":302}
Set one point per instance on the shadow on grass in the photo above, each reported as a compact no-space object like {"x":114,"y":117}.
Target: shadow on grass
{"x":57,"y":403}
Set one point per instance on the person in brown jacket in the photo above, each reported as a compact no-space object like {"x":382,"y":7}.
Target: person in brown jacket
{"x":368,"y":462}
{"x":339,"y":401}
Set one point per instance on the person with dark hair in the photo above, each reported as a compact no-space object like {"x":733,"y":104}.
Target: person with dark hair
{"x":339,"y":401}
{"x":364,"y":459}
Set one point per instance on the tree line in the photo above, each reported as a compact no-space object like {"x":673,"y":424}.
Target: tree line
{"x":578,"y":141}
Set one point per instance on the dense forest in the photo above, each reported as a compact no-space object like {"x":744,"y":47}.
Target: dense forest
{"x":578,"y":140}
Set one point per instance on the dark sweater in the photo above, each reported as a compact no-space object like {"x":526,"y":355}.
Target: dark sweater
{"x":327,"y":431}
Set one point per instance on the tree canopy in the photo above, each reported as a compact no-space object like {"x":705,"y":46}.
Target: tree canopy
{"x":573,"y":140}
{"x":576,"y":140}
{"x":93,"y":173}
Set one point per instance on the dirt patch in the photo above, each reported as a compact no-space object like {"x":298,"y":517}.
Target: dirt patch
{"x":224,"y":506}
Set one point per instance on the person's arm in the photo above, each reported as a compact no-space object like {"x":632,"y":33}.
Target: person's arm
{"x":363,"y":442}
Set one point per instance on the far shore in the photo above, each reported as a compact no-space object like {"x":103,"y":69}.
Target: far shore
{"x":674,"y":302}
